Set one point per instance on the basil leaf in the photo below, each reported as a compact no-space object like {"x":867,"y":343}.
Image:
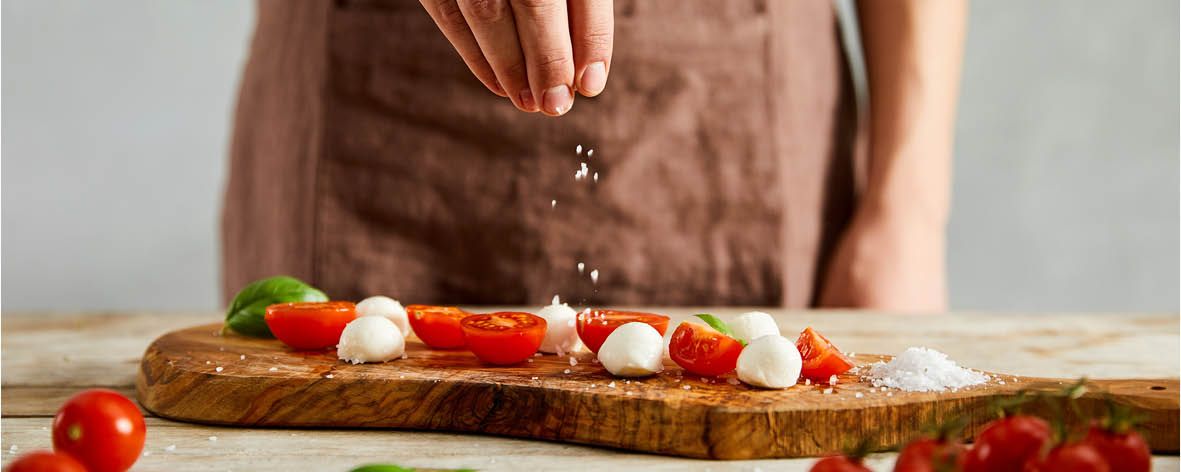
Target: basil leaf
{"x":246,"y":313}
{"x":717,"y":323}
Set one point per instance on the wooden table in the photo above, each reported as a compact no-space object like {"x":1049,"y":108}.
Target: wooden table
{"x":48,"y":357}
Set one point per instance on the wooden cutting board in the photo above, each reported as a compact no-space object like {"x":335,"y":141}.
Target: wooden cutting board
{"x":197,"y":375}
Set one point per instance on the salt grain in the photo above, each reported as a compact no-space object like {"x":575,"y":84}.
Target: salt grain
{"x":219,"y":369}
{"x":170,"y":448}
{"x":581,"y":267}
{"x":686,"y":387}
{"x":573,"y":361}
{"x":553,"y":203}
{"x":828,"y":390}
{"x":578,"y":149}
{"x":611,"y":385}
{"x":919,"y":369}
{"x":213,"y":438}
{"x":832,"y":380}
{"x":534,"y":378}
{"x":273,"y":369}
{"x":147,"y":453}
{"x":328,"y":376}
{"x":590,"y":153}
{"x":529,"y":361}
{"x":858,"y":395}
{"x":595,"y":276}
{"x":596,"y":176}
{"x":807,"y":381}
{"x":242,"y":357}
{"x":567,"y":371}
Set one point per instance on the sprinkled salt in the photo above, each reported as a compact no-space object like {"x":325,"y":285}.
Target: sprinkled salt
{"x":534,"y":378}
{"x":611,"y":385}
{"x":832,"y":380}
{"x":858,"y":395}
{"x":553,"y":203}
{"x":170,"y":448}
{"x":273,"y":369}
{"x":596,"y":176}
{"x":328,"y":376}
{"x":147,"y":453}
{"x":686,"y":387}
{"x":581,"y":267}
{"x":590,"y":153}
{"x":12,"y":450}
{"x":213,"y":438}
{"x":828,"y":390}
{"x":573,"y":361}
{"x":807,"y":381}
{"x":219,"y":369}
{"x":578,"y":149}
{"x":595,"y":276}
{"x":919,"y":369}
{"x":567,"y":371}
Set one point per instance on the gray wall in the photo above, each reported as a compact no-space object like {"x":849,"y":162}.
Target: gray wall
{"x":117,"y":112}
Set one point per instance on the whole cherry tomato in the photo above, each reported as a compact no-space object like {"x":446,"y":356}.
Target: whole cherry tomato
{"x":1073,"y":457}
{"x":839,"y":464}
{"x":45,"y":461}
{"x":930,"y":455}
{"x":1007,"y":444}
{"x":1124,"y":451}
{"x":309,"y":326}
{"x":101,"y":429}
{"x":503,"y":338}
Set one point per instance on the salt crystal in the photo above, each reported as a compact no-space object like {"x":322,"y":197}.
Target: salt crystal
{"x":273,"y":369}
{"x":890,"y":394}
{"x":628,"y":392}
{"x":529,"y":360}
{"x":686,"y":387}
{"x":219,"y":369}
{"x":858,"y":395}
{"x":534,"y":378}
{"x":590,"y":153}
{"x":578,"y":149}
{"x":208,"y":362}
{"x":595,"y":276}
{"x":537,"y":354}
{"x":242,"y":357}
{"x":596,"y":176}
{"x":581,"y":267}
{"x":1002,"y":382}
{"x":807,"y":381}
{"x":213,"y":438}
{"x":328,"y":376}
{"x":611,"y":385}
{"x":919,"y":369}
{"x":170,"y":448}
{"x":567,"y":371}
{"x":883,"y":389}
{"x":147,"y":453}
{"x":832,"y":380}
{"x":553,"y":203}
{"x":405,"y":356}
{"x":594,"y":385}
{"x":12,"y":450}
{"x":573,"y":361}
{"x":828,"y":390}
{"x":732,"y":381}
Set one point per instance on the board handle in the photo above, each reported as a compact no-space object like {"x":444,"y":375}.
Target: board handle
{"x":1156,"y":399}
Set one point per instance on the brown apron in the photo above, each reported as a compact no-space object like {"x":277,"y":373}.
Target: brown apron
{"x":366,"y":159}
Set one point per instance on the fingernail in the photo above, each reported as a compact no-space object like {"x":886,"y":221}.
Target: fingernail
{"x":497,"y":89}
{"x":594,"y":78}
{"x":557,"y":100}
{"x":527,"y":100}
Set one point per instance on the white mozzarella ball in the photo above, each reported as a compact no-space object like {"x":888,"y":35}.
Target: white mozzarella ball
{"x":561,"y":335}
{"x":387,"y":307}
{"x":770,"y":362}
{"x":633,"y":350}
{"x":370,"y":339}
{"x":753,"y":325}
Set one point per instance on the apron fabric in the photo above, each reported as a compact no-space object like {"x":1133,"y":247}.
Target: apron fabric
{"x":366,"y":159}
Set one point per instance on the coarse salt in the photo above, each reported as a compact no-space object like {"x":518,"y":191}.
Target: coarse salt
{"x":611,"y":385}
{"x":581,"y":267}
{"x":578,"y":149}
{"x":596,"y":177}
{"x":590,"y":153}
{"x":213,"y":438}
{"x":242,"y":357}
{"x":919,"y":369}
{"x":219,"y":369}
{"x":832,"y":380}
{"x":534,"y":378}
{"x":595,"y":276}
{"x":686,"y":387}
{"x":807,"y":381}
{"x":553,"y":203}
{"x":858,"y":395}
{"x":328,"y":376}
{"x":567,"y":371}
{"x":828,"y":390}
{"x":170,"y":448}
{"x":273,"y":369}
{"x":573,"y":361}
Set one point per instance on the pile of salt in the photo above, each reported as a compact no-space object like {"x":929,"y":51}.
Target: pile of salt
{"x":919,"y":369}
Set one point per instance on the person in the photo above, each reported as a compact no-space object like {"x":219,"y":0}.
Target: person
{"x":428,"y":152}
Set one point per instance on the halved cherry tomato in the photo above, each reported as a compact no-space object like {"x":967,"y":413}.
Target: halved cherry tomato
{"x":821,"y":359}
{"x":595,"y":325}
{"x":101,"y":429}
{"x":702,"y":350}
{"x":503,"y":338}
{"x":45,"y":461}
{"x":310,"y":325}
{"x":437,"y":326}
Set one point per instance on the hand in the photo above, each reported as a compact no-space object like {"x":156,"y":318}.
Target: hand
{"x":888,"y":261}
{"x":525,"y":49}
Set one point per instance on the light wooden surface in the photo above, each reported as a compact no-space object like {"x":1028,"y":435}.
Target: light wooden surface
{"x":47,"y":357}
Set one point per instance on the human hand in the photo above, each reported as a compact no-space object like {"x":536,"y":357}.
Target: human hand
{"x":524,"y":49}
{"x":888,"y":261}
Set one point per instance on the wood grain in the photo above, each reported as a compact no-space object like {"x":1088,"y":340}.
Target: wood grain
{"x":667,"y":414}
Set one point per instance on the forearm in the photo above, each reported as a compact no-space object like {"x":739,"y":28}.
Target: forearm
{"x":913,"y":51}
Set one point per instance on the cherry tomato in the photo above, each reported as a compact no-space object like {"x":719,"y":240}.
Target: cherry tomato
{"x":839,"y":464}
{"x":1124,"y":452}
{"x":930,"y":455}
{"x":45,"y":461}
{"x":101,"y":429}
{"x":702,"y":350}
{"x":821,"y":359}
{"x":310,"y":326}
{"x":595,"y":325}
{"x":1075,"y":457}
{"x":1007,"y":443}
{"x":505,"y":337}
{"x":437,"y":326}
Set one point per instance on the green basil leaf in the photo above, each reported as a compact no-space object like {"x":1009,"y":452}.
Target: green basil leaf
{"x":246,"y":313}
{"x":717,"y":323}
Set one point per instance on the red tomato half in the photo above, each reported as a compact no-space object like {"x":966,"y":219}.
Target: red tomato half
{"x":595,"y":325}
{"x":702,"y":350}
{"x":310,"y":326}
{"x":45,"y":461}
{"x":101,"y":429}
{"x":821,"y":359}
{"x":437,"y":326}
{"x":505,"y":337}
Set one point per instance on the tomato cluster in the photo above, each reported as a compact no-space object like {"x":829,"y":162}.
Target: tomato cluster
{"x":1020,"y":443}
{"x":97,"y":430}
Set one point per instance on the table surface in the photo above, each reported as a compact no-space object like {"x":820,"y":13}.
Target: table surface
{"x":49,"y":356}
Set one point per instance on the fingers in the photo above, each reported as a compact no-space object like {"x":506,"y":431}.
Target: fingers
{"x":544,"y":32}
{"x":492,"y":25}
{"x":452,"y":23}
{"x":593,"y":26}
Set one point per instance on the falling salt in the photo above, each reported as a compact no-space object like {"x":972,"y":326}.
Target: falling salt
{"x":595,"y":276}
{"x":596,"y":176}
{"x":553,"y":203}
{"x":578,"y":149}
{"x":590,"y":153}
{"x":919,"y":369}
{"x":581,"y":267}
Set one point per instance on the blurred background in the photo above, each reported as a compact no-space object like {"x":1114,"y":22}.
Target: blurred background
{"x":117,"y":116}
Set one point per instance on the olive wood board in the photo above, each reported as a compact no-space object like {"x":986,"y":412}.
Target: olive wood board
{"x":262,"y":383}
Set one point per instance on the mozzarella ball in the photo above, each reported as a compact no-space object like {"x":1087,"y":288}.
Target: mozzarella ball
{"x":561,"y":336}
{"x":633,"y":350}
{"x":753,"y":325}
{"x":770,"y":362}
{"x":387,"y":307}
{"x":370,"y":339}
